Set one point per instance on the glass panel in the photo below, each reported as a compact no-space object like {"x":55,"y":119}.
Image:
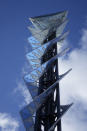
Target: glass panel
{"x":36,"y":74}
{"x":33,"y":92}
{"x":39,"y":34}
{"x":60,"y":29}
{"x":47,"y":27}
{"x":33,"y":42}
{"x":65,"y":109}
{"x":27,"y":118}
{"x":64,"y":52}
{"x":29,"y":110}
{"x":44,"y":21}
{"x":38,"y":52}
{"x":38,"y":100}
{"x":65,"y":73}
{"x":28,"y":78}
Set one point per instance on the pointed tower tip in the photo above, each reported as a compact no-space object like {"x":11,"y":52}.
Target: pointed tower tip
{"x":52,"y":14}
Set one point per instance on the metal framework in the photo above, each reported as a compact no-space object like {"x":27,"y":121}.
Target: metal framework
{"x":44,"y":113}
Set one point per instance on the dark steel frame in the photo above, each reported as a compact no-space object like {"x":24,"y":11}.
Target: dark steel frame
{"x":46,"y":115}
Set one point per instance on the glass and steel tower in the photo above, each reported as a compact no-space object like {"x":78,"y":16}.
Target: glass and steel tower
{"x":44,"y":113}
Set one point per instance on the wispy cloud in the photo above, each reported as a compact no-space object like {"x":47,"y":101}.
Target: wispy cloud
{"x":74,"y":86}
{"x":8,"y":123}
{"x":23,"y":91}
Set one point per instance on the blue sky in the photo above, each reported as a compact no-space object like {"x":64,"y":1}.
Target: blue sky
{"x":14,"y":20}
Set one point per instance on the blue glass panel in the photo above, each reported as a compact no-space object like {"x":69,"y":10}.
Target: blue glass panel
{"x":33,"y":90}
{"x":32,"y":105}
{"x":28,"y":78}
{"x":30,"y":109}
{"x":38,"y":64}
{"x":36,"y":44}
{"x":32,"y":42}
{"x":38,"y":53}
{"x":28,"y":124}
{"x":25,"y":113}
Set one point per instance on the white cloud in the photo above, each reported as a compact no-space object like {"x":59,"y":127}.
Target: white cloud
{"x":22,"y":89}
{"x":8,"y":123}
{"x":74,"y":86}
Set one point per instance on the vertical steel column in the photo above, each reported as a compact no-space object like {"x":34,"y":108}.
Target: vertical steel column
{"x":57,"y":94}
{"x":48,"y":78}
{"x":57,"y":89}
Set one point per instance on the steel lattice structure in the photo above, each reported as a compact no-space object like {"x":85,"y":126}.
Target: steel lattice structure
{"x":44,"y":113}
